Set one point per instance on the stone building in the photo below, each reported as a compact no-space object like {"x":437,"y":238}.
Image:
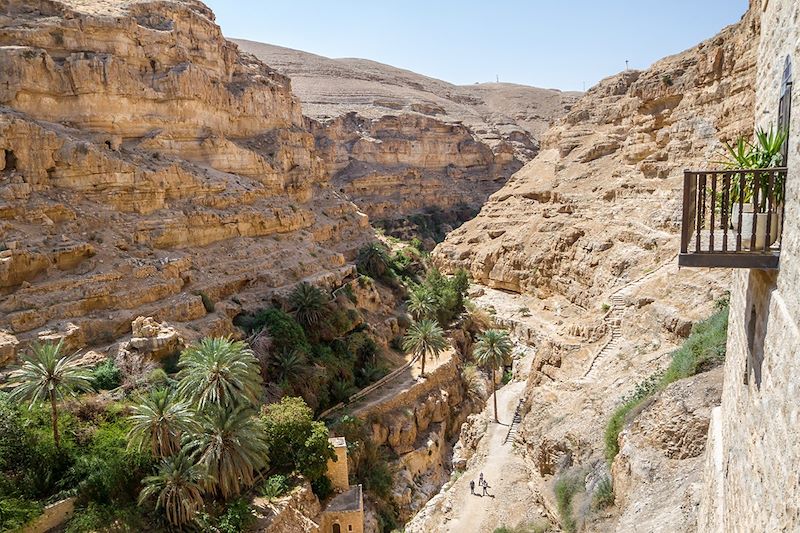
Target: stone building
{"x":345,"y":512}
{"x":752,"y":471}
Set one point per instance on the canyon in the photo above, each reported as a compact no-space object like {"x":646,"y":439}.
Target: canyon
{"x":152,"y":171}
{"x":411,"y":150}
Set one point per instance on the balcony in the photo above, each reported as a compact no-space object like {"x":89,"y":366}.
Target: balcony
{"x":732,"y":218}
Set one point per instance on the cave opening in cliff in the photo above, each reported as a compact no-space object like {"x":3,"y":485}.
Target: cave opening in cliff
{"x":11,"y":160}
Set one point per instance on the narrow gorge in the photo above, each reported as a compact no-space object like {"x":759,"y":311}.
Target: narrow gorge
{"x":162,"y":186}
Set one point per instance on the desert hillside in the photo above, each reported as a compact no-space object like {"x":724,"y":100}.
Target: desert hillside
{"x":148,"y":166}
{"x":601,"y":202}
{"x":399,"y":143}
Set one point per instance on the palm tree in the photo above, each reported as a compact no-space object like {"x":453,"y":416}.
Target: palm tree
{"x":219,"y":372}
{"x":48,"y":375}
{"x":424,"y":338}
{"x":373,"y":259}
{"x":308,"y":304}
{"x":231,"y":446}
{"x":421,"y":303}
{"x":290,"y":366}
{"x":178,"y":488}
{"x":159,"y":420}
{"x":492,"y":349}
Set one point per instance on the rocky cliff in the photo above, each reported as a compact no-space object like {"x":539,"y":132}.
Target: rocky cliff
{"x":602,"y":199}
{"x":582,"y":242}
{"x":147,"y":167}
{"x":402,"y":144}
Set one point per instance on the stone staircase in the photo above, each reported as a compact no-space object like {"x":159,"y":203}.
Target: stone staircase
{"x":614,"y":319}
{"x":515,"y":422}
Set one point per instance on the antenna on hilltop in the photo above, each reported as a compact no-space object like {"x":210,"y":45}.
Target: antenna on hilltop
{"x":626,"y":65}
{"x":498,"y":77}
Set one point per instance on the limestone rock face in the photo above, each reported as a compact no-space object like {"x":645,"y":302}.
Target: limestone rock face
{"x":602,"y":199}
{"x":153,"y":339}
{"x":145,"y":162}
{"x":399,"y":143}
{"x":659,"y":467}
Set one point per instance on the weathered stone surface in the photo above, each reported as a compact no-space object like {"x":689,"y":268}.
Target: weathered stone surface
{"x":146,"y":161}
{"x":399,"y":143}
{"x":659,"y":466}
{"x":153,"y":339}
{"x":8,"y":347}
{"x":601,"y":201}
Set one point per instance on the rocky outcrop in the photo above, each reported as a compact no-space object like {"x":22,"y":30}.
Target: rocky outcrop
{"x":658,"y":471}
{"x":147,"y":168}
{"x":401,"y":144}
{"x":601,"y":202}
{"x":297,"y":512}
{"x":418,"y":426}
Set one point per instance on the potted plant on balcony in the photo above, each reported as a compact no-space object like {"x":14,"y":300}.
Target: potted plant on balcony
{"x":764,"y":153}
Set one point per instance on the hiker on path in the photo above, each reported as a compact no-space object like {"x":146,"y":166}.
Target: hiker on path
{"x":485,"y":488}
{"x":480,"y":480}
{"x":472,"y":486}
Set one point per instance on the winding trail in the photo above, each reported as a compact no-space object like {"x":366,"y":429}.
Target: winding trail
{"x":502,"y":467}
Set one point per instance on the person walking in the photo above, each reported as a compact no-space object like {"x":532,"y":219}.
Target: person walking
{"x":472,"y":486}
{"x":485,"y":488}
{"x":480,"y":480}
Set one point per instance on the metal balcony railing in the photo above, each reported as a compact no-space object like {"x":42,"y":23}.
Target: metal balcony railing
{"x":732,"y":218}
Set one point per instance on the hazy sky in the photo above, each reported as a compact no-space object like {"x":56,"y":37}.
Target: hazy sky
{"x":557,"y":43}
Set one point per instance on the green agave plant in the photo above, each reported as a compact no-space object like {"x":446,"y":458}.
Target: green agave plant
{"x":765,"y":152}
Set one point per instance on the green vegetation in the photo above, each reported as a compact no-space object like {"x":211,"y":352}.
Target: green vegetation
{"x":603,"y":493}
{"x":48,"y":375}
{"x":565,"y":489}
{"x":425,"y":339}
{"x":106,"y":376}
{"x":297,"y":442}
{"x":309,"y":305}
{"x":275,"y":486}
{"x":159,"y":420}
{"x":493,"y":349}
{"x":374,"y":260}
{"x":702,"y":350}
{"x":218,"y":372}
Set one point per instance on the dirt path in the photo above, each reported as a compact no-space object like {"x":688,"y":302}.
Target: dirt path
{"x":510,"y":500}
{"x":502,"y":468}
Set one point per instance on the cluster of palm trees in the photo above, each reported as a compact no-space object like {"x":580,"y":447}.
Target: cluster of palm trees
{"x":425,"y":338}
{"x":202,"y":432}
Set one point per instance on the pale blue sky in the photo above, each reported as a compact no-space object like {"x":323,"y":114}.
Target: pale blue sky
{"x":557,"y":43}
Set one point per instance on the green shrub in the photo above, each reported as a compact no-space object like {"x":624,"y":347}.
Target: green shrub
{"x":157,"y":377}
{"x":286,"y":333}
{"x":108,"y":472}
{"x":237,"y":517}
{"x":275,"y":486}
{"x":603,"y":493}
{"x":101,"y":518}
{"x":296,"y":441}
{"x":17,"y":512}
{"x":208,"y":303}
{"x":106,"y":375}
{"x":322,"y":487}
{"x":566,"y":487}
{"x":508,"y":375}
{"x":702,"y":350}
{"x":373,"y":260}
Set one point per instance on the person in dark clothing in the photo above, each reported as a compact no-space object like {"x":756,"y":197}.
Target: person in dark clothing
{"x":472,"y":487}
{"x":485,"y":488}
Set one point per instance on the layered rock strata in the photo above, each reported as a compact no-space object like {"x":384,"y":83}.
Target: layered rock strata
{"x":147,"y":168}
{"x":602,"y":200}
{"x":400,"y":144}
